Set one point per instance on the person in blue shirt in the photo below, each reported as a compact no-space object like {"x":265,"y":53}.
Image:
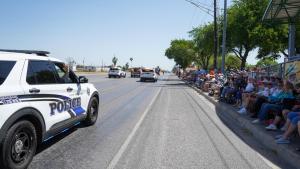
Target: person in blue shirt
{"x":274,"y":102}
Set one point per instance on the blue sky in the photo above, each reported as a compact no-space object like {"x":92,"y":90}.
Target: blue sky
{"x":96,"y":30}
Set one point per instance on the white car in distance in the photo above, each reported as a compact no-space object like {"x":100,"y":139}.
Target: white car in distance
{"x":116,"y":72}
{"x":148,"y":75}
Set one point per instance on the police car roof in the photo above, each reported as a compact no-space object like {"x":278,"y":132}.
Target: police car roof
{"x":17,"y":55}
{"x":37,"y":52}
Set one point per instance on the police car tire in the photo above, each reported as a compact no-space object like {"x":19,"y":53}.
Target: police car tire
{"x":27,"y":130}
{"x":92,"y":113}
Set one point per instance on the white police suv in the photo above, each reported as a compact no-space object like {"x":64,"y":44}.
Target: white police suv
{"x":39,"y":98}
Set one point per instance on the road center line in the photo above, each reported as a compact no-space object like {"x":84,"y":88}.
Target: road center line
{"x":122,"y":149}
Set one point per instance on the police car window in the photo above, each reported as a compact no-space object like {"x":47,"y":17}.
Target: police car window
{"x":64,"y":74}
{"x":5,"y":68}
{"x":40,"y":72}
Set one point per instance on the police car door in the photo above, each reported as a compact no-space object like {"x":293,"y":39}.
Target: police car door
{"x":46,"y":93}
{"x":74,"y":103}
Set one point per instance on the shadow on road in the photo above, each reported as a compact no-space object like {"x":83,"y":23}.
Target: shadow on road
{"x":169,"y":80}
{"x":147,"y":81}
{"x":47,"y":144}
{"x":248,"y":138}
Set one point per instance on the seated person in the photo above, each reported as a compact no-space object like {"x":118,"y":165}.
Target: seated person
{"x":291,"y":123}
{"x":274,"y":102}
{"x":246,"y":94}
{"x":66,"y":76}
{"x":226,"y":88}
{"x":230,"y":95}
{"x":258,"y":99}
{"x":298,"y":149}
{"x":283,"y":115}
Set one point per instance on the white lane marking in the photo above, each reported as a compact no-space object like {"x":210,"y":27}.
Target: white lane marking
{"x":268,"y":162}
{"x":119,"y":154}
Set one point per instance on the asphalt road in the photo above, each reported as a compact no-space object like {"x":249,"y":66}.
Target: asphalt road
{"x":149,"y":126}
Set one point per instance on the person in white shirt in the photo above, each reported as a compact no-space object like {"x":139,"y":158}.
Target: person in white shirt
{"x":265,"y":92}
{"x":246,"y":94}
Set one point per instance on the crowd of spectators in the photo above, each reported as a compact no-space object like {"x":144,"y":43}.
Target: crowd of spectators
{"x":272,"y":101}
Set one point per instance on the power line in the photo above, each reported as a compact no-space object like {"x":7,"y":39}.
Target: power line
{"x":215,"y":14}
{"x":206,"y":5}
{"x":192,"y":20}
{"x":201,"y":7}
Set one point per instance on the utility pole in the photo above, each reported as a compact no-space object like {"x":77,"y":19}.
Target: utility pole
{"x":215,"y":37}
{"x":208,"y":11}
{"x":224,"y":36}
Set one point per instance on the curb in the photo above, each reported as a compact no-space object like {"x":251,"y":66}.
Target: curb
{"x":284,"y":152}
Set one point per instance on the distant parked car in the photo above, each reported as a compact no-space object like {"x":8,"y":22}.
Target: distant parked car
{"x":135,"y":72}
{"x":148,"y":74}
{"x":116,"y":72}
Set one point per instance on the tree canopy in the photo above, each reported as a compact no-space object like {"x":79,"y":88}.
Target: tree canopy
{"x":182,"y":51}
{"x":203,"y":38}
{"x":114,"y":60}
{"x":245,"y":32}
{"x":125,"y":67}
{"x":266,"y":62}
{"x":243,"y":17}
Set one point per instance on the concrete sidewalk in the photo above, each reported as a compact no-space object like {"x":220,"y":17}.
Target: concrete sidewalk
{"x":233,"y":120}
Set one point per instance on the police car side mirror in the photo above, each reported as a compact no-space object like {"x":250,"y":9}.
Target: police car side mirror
{"x":83,"y":79}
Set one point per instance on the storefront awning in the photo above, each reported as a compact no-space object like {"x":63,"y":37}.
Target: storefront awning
{"x":283,"y":11}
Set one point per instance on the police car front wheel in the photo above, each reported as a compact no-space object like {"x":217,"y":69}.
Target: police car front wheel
{"x":92,"y":113}
{"x":19,"y":146}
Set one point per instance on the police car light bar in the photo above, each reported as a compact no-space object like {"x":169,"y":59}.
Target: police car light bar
{"x":39,"y":53}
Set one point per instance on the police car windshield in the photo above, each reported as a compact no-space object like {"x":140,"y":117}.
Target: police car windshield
{"x":114,"y":69}
{"x":5,"y":68}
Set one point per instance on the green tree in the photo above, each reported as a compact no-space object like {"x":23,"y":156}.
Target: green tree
{"x":246,"y":31}
{"x":114,"y":60}
{"x":231,"y":61}
{"x":126,"y":66}
{"x":274,"y":40}
{"x":266,"y":62}
{"x":250,"y":66}
{"x":182,"y":51}
{"x":204,"y":44}
{"x":131,"y":59}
